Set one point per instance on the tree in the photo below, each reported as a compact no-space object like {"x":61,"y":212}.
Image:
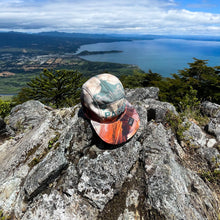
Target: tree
{"x":204,"y":79}
{"x":140,"y":79}
{"x":58,"y":88}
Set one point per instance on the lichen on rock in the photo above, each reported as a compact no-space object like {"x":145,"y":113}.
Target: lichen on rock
{"x":77,"y":176}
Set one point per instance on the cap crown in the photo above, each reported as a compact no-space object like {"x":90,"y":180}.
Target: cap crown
{"x":103,"y":96}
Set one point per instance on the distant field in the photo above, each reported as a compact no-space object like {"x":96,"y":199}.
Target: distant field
{"x":13,"y":83}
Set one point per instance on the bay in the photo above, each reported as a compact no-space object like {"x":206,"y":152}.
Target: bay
{"x":163,"y":56}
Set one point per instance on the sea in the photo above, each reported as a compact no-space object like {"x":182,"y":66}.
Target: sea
{"x":163,"y":56}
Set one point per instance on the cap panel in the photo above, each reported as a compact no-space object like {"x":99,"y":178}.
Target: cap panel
{"x":111,"y":89}
{"x":87,"y":102}
{"x":104,"y":96}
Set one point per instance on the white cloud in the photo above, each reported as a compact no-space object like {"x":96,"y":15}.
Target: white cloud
{"x":143,"y":16}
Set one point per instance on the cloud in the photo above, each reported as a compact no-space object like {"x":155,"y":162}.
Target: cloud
{"x":98,"y":16}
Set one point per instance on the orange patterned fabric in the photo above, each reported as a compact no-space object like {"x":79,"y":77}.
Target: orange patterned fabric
{"x":121,"y":130}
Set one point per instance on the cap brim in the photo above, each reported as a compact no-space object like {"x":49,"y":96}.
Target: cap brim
{"x":121,"y":130}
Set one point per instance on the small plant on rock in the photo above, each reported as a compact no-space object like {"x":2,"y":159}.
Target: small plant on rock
{"x":175,"y":122}
{"x":190,"y":108}
{"x":4,"y":217}
{"x":5,"y":108}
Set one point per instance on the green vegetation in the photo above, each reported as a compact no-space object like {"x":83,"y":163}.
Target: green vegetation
{"x":175,"y":122}
{"x":51,"y":42}
{"x":58,"y":88}
{"x":5,"y":108}
{"x":51,"y":144}
{"x":28,"y":68}
{"x":140,"y":79}
{"x":4,"y":217}
{"x":13,"y":84}
{"x":198,"y":78}
{"x":212,"y":175}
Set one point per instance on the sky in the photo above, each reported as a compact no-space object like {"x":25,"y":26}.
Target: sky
{"x":172,"y":17}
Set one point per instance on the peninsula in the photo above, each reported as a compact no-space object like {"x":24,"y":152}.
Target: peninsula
{"x":86,"y":52}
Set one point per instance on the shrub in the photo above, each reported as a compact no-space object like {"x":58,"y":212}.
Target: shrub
{"x":5,"y":108}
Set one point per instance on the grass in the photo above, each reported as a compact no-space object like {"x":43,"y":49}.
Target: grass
{"x":13,"y":84}
{"x":6,"y":97}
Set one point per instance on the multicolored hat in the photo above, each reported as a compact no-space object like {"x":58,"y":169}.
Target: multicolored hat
{"x":114,"y":119}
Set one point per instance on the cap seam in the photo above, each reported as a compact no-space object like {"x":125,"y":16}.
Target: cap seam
{"x":92,"y":98}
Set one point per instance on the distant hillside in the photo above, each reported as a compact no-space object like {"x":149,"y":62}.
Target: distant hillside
{"x":45,"y":43}
{"x":53,"y":42}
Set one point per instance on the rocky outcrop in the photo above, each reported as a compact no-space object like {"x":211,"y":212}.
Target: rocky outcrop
{"x":212,"y":110}
{"x":56,"y":167}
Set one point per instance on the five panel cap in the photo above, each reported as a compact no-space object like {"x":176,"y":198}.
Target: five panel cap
{"x":113,"y":118}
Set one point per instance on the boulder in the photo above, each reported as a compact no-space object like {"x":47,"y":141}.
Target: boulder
{"x":56,"y":167}
{"x":213,"y":127}
{"x":194,"y":135}
{"x":210,"y":109}
{"x":157,"y":110}
{"x":172,"y":189}
{"x":140,"y":94}
{"x":27,"y":115}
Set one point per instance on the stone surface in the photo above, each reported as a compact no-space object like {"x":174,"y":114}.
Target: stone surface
{"x":141,"y":94}
{"x":172,"y":189}
{"x":56,"y":167}
{"x":213,"y":127}
{"x":157,"y":110}
{"x":211,"y":109}
{"x":44,"y":173}
{"x":104,"y":175}
{"x":27,"y":115}
{"x":195,"y":136}
{"x":211,"y":155}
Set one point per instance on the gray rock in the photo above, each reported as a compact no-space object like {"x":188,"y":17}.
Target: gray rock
{"x":211,"y":155}
{"x":211,"y":109}
{"x":173,"y":190}
{"x":27,"y":115}
{"x":57,"y":167}
{"x":194,"y":135}
{"x":44,"y":173}
{"x":103,"y":176}
{"x":157,"y":110}
{"x":58,"y":206}
{"x":139,"y":94}
{"x":213,"y":127}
